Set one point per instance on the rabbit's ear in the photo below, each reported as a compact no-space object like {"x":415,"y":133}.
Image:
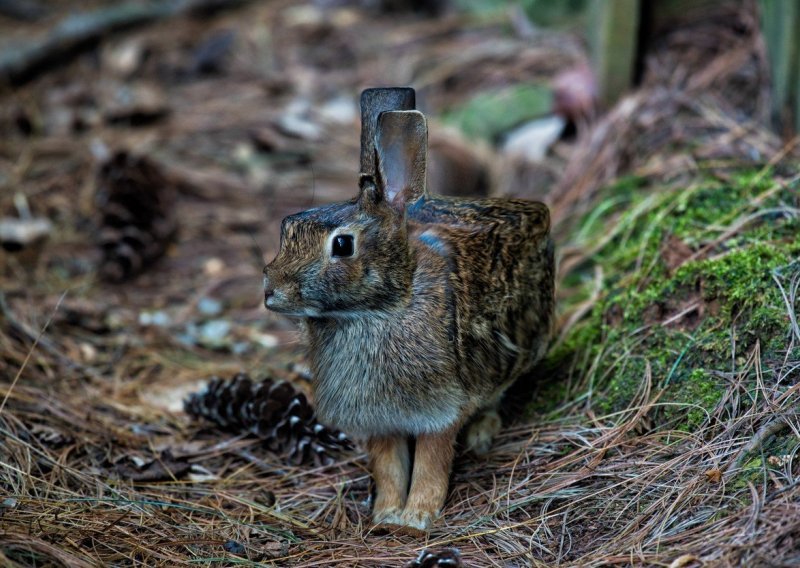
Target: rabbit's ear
{"x":402,"y":147}
{"x":373,"y":103}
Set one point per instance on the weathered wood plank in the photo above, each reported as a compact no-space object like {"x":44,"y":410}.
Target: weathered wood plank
{"x":780,"y":25}
{"x":613,"y":37}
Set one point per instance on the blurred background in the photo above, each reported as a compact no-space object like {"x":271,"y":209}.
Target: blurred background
{"x":149,"y":150}
{"x":156,"y":146}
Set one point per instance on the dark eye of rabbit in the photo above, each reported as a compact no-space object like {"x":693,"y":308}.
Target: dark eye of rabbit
{"x":342,"y":245}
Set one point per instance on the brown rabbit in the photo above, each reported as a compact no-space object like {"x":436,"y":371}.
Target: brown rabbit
{"x":419,"y":310}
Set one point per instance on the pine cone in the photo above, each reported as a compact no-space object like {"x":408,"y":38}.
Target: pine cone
{"x":136,"y":204}
{"x":272,"y":410}
{"x":449,"y":557}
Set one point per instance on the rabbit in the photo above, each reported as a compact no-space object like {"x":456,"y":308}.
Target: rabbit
{"x":419,"y":310}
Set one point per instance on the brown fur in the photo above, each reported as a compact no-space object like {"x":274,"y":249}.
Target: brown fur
{"x":432,"y":462}
{"x":390,"y":465}
{"x":444,"y":303}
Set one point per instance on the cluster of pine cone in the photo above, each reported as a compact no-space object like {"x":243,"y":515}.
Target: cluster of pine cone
{"x":450,"y":557}
{"x":274,"y":411}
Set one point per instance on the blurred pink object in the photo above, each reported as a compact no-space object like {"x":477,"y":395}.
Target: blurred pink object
{"x":575,"y":94}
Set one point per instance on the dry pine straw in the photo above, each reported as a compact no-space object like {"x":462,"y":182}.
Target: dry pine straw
{"x":91,"y":476}
{"x":574,"y":490}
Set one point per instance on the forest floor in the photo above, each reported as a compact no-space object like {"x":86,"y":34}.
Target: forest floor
{"x":662,"y":429}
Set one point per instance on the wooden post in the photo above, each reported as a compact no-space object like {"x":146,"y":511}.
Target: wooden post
{"x":373,"y":103}
{"x":622,"y":31}
{"x":780,"y":25}
{"x":613,"y":38}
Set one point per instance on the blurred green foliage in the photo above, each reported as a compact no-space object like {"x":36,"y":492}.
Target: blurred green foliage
{"x":490,"y":114}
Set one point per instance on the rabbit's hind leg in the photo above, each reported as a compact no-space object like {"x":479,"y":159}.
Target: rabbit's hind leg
{"x":482,"y":429}
{"x":391,"y":469}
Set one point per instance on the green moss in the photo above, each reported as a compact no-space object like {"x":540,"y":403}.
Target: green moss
{"x":693,"y":399}
{"x":754,"y":469}
{"x":751,"y":472}
{"x":687,"y":275}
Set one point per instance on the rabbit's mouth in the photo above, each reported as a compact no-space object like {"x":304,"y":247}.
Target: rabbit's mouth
{"x":297,"y":313}
{"x":275,"y":301}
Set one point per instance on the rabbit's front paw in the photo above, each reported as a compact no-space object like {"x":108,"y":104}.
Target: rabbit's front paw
{"x":390,"y":517}
{"x":417,"y":522}
{"x":482,"y":431}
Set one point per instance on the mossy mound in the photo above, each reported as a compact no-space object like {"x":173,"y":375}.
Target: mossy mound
{"x":690,"y":295}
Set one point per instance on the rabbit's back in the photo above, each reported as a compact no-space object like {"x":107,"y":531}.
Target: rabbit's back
{"x":501,"y":275}
{"x":419,"y":310}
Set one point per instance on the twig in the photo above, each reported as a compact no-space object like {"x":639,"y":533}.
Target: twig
{"x":769,"y":429}
{"x":42,"y":341}
{"x":30,"y":352}
{"x":791,"y":297}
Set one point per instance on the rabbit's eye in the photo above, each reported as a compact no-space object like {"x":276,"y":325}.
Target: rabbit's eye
{"x":342,"y":245}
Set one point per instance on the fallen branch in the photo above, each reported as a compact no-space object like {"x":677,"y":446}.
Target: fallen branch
{"x":23,"y":10}
{"x":78,"y":33}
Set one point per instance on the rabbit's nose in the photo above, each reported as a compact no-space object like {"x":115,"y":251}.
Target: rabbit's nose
{"x":269,"y":289}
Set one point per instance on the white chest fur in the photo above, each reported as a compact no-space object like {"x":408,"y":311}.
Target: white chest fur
{"x":381,"y":376}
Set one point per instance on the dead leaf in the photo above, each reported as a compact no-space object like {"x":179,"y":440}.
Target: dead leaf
{"x":166,"y":468}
